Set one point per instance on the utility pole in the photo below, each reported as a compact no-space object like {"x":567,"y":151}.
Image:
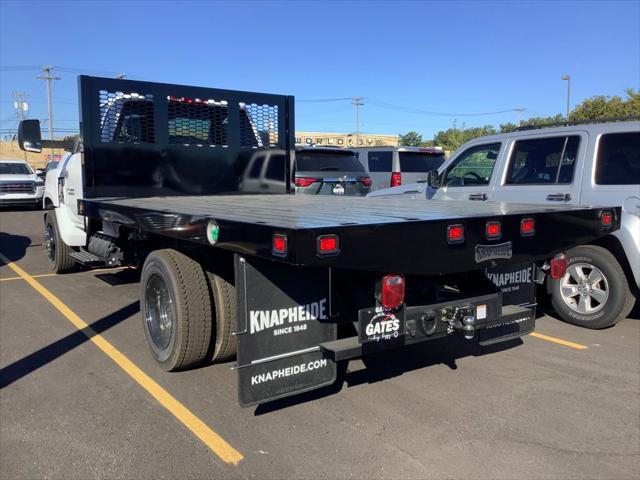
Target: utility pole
{"x":21,"y":107}
{"x":568,"y":79}
{"x":357,"y":102}
{"x":47,"y":78}
{"x":519,"y":112}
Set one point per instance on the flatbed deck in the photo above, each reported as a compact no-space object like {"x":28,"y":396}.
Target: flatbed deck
{"x":412,"y":232}
{"x":310,"y":211}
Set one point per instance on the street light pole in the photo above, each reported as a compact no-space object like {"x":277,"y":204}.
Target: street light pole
{"x":568,"y":79}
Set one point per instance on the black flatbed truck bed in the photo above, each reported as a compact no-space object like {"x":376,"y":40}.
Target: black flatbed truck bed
{"x":412,"y":236}
{"x":289,"y":286}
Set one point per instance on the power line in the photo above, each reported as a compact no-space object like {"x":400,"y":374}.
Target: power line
{"x":390,"y":106}
{"x":322,"y":100}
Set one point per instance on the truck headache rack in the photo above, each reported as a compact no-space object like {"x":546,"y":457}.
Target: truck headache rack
{"x":145,"y":139}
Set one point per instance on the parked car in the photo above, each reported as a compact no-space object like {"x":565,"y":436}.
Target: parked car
{"x":586,"y":164}
{"x":329,"y":171}
{"x":316,"y":171}
{"x":19,"y":184}
{"x":394,"y":166}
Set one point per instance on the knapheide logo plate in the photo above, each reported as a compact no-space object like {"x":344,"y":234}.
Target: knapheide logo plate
{"x":492,"y":252}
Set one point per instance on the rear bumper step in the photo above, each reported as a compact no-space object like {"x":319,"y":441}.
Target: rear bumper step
{"x":514,"y":322}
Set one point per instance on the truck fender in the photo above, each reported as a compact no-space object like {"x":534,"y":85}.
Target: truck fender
{"x":70,"y":232}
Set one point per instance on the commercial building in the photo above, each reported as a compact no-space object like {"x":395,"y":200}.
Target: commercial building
{"x":345,"y":139}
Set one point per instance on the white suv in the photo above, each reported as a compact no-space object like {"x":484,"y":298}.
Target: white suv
{"x":19,"y":184}
{"x":588,"y":164}
{"x":393,"y":166}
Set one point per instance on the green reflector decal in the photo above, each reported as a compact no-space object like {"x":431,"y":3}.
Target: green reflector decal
{"x":213,"y":232}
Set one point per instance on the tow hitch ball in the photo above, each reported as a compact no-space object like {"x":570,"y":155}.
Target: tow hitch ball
{"x":460,"y":318}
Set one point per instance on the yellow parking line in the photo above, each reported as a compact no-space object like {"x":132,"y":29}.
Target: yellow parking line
{"x":98,"y":270}
{"x":559,"y":341}
{"x":210,"y":438}
{"x":32,"y":276}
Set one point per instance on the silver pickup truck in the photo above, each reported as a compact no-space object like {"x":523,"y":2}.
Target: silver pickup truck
{"x":580,"y":164}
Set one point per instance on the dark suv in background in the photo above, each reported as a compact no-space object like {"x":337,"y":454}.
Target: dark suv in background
{"x":315,"y":170}
{"x":329,"y":171}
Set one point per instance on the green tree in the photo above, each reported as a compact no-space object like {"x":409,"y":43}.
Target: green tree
{"x":510,"y":127}
{"x":410,"y":139}
{"x":602,"y":106}
{"x":453,"y":137}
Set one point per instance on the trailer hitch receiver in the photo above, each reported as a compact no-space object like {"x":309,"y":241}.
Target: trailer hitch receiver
{"x":460,"y":318}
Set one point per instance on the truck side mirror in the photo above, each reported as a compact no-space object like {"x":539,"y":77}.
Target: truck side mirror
{"x":29,"y":138}
{"x":433,"y":181}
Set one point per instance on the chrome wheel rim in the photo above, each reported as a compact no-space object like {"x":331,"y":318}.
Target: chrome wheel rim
{"x":49,"y":243}
{"x":584,"y":288}
{"x":159,"y":311}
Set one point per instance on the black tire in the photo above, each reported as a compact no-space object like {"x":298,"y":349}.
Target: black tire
{"x":174,"y":286}
{"x":57,"y":252}
{"x":223,"y":344}
{"x":619,"y":300}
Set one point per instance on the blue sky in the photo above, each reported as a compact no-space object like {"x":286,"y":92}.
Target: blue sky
{"x":449,"y":57}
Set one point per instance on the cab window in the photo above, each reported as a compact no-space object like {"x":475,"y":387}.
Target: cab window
{"x":473,"y":167}
{"x":543,"y":161}
{"x":275,"y":168}
{"x":380,"y":161}
{"x":618,"y":161}
{"x":256,"y":167}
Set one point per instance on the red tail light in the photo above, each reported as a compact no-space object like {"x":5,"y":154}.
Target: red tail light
{"x":366,"y":181}
{"x":493,"y":230}
{"x":328,"y":245}
{"x":396,"y":179}
{"x":279,"y":245}
{"x":606,"y":219}
{"x":527,"y":227}
{"x":455,"y":233}
{"x":392,"y":291}
{"x":305,"y":181}
{"x":559,"y":265}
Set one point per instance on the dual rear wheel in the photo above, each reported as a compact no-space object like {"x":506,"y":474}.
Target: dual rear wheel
{"x":188,"y":314}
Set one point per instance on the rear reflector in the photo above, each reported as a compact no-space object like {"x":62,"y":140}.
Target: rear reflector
{"x":392,"y":291}
{"x":304,"y":181}
{"x":328,"y":245}
{"x":493,"y":230}
{"x":366,"y":181}
{"x":559,"y":265}
{"x":455,"y":233}
{"x":279,"y":245}
{"x":396,"y":179}
{"x":527,"y":227}
{"x":606,"y":219}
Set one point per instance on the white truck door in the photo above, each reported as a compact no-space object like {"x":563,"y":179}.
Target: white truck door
{"x":470,"y":175}
{"x":543,"y":169}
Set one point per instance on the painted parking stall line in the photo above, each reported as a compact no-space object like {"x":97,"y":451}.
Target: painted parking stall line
{"x":558,"y":341}
{"x":211,"y":439}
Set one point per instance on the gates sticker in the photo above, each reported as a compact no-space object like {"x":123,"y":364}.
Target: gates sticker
{"x":382,"y":326}
{"x":491,"y":252}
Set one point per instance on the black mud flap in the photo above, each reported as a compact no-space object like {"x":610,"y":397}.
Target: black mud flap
{"x":516,"y":281}
{"x":284,"y":314}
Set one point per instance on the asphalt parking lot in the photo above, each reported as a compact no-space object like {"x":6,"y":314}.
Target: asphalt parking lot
{"x":562,"y":404}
